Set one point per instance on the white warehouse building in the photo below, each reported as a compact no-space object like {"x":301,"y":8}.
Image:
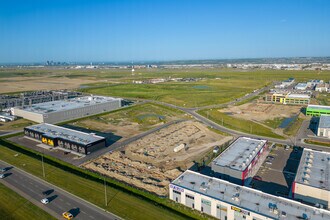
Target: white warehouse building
{"x":323,"y":129}
{"x":228,"y":201}
{"x":64,"y":110}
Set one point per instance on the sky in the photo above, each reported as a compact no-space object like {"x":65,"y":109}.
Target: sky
{"x":161,"y":30}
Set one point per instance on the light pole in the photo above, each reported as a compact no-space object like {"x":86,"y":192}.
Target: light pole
{"x":42,"y":164}
{"x":105,"y":192}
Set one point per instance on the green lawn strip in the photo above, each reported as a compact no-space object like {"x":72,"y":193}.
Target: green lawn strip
{"x":309,"y":141}
{"x":238,"y":124}
{"x":293,"y":127}
{"x":124,"y":200}
{"x":14,"y":206}
{"x":274,"y":123}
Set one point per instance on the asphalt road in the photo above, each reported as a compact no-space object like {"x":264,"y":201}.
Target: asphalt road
{"x":32,"y":188}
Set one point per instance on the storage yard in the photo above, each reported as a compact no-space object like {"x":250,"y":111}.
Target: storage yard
{"x":152,"y":162}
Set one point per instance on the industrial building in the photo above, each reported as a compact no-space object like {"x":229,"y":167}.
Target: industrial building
{"x":228,"y":201}
{"x":241,"y":160}
{"x":301,"y":86}
{"x":317,"y":110}
{"x":311,"y":184}
{"x":323,"y":129}
{"x":64,"y":110}
{"x":285,"y":83}
{"x":65,"y":138}
{"x":35,"y":97}
{"x":288,"y":98}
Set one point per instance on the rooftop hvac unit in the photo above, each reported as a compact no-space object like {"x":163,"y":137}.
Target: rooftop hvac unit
{"x":305,"y":180}
{"x":306,"y":175}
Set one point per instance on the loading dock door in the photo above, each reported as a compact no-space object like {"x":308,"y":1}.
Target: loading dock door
{"x":190,"y":201}
{"x":177,"y":196}
{"x":206,"y":206}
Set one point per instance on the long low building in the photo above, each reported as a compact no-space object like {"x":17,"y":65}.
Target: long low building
{"x":64,"y":110}
{"x":323,"y":129}
{"x":228,"y":201}
{"x":311,"y":184}
{"x":56,"y":136}
{"x":241,"y":160}
{"x":288,"y":98}
{"x":317,"y":110}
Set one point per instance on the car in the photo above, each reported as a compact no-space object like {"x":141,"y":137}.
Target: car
{"x":44,"y":201}
{"x":257,"y":178}
{"x":269,"y":162}
{"x":270,"y":158}
{"x":2,"y":176}
{"x":3,"y":170}
{"x":67,"y":215}
{"x":287,"y":147}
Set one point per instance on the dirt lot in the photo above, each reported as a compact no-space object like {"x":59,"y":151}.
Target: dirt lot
{"x":151,"y":163}
{"x":262,"y":111}
{"x":18,"y":84}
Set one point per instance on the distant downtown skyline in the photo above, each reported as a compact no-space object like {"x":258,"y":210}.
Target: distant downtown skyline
{"x":125,"y":31}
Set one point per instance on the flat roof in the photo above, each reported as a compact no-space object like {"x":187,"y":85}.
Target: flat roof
{"x":298,"y":96}
{"x":55,"y":131}
{"x":320,"y":107}
{"x":63,"y":105}
{"x":324,"y":121}
{"x":240,"y":154}
{"x":247,"y":198}
{"x":314,"y":169}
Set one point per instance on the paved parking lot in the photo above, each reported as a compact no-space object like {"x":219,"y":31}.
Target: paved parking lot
{"x":278,"y":173}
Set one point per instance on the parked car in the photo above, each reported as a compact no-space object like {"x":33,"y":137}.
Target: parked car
{"x":269,"y":162}
{"x":45,"y":201}
{"x":2,"y":176}
{"x":3,"y":170}
{"x":270,"y":158}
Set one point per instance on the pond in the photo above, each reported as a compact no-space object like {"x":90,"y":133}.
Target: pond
{"x":286,"y":122}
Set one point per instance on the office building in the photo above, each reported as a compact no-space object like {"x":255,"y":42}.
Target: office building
{"x":317,"y":110}
{"x":241,"y":160}
{"x":228,"y":201}
{"x":288,"y":98}
{"x":69,"y":139}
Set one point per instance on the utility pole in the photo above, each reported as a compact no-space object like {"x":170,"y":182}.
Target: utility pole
{"x":105,"y":192}
{"x":42,"y":164}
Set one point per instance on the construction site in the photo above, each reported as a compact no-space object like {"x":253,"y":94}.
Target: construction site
{"x":152,"y":162}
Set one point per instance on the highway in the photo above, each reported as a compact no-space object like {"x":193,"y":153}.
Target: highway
{"x":32,"y":188}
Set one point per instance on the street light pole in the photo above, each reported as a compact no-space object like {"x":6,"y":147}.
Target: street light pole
{"x":105,"y":192}
{"x":42,"y":164}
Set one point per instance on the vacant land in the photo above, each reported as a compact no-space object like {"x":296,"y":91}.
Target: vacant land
{"x":324,"y":99}
{"x":152,"y":162}
{"x":18,"y":124}
{"x":131,"y":121}
{"x":120,"y":203}
{"x":218,"y":86}
{"x":238,"y":124}
{"x":13,"y":206}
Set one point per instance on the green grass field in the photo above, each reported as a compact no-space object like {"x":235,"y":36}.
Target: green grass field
{"x":219,"y":85}
{"x":15,"y":207}
{"x":15,"y":125}
{"x":145,"y":115}
{"x":274,"y":123}
{"x":293,"y":127}
{"x":309,"y":141}
{"x":238,"y":124}
{"x":324,"y":98}
{"x":120,"y":203}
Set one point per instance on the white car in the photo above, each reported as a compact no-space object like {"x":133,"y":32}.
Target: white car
{"x":2,"y":176}
{"x":45,"y":201}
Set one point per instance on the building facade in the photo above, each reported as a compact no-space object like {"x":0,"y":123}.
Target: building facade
{"x":241,"y":160}
{"x":59,"y":111}
{"x":317,"y":110}
{"x":323,"y":129}
{"x":68,"y":139}
{"x":228,"y":201}
{"x":291,"y":99}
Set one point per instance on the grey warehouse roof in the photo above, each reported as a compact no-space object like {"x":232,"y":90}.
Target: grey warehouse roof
{"x":250,"y":199}
{"x":314,"y":169}
{"x":63,"y":105}
{"x":240,"y":154}
{"x":65,"y":133}
{"x":324,"y":121}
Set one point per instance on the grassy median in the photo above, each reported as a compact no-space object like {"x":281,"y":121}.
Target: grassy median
{"x":15,"y":207}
